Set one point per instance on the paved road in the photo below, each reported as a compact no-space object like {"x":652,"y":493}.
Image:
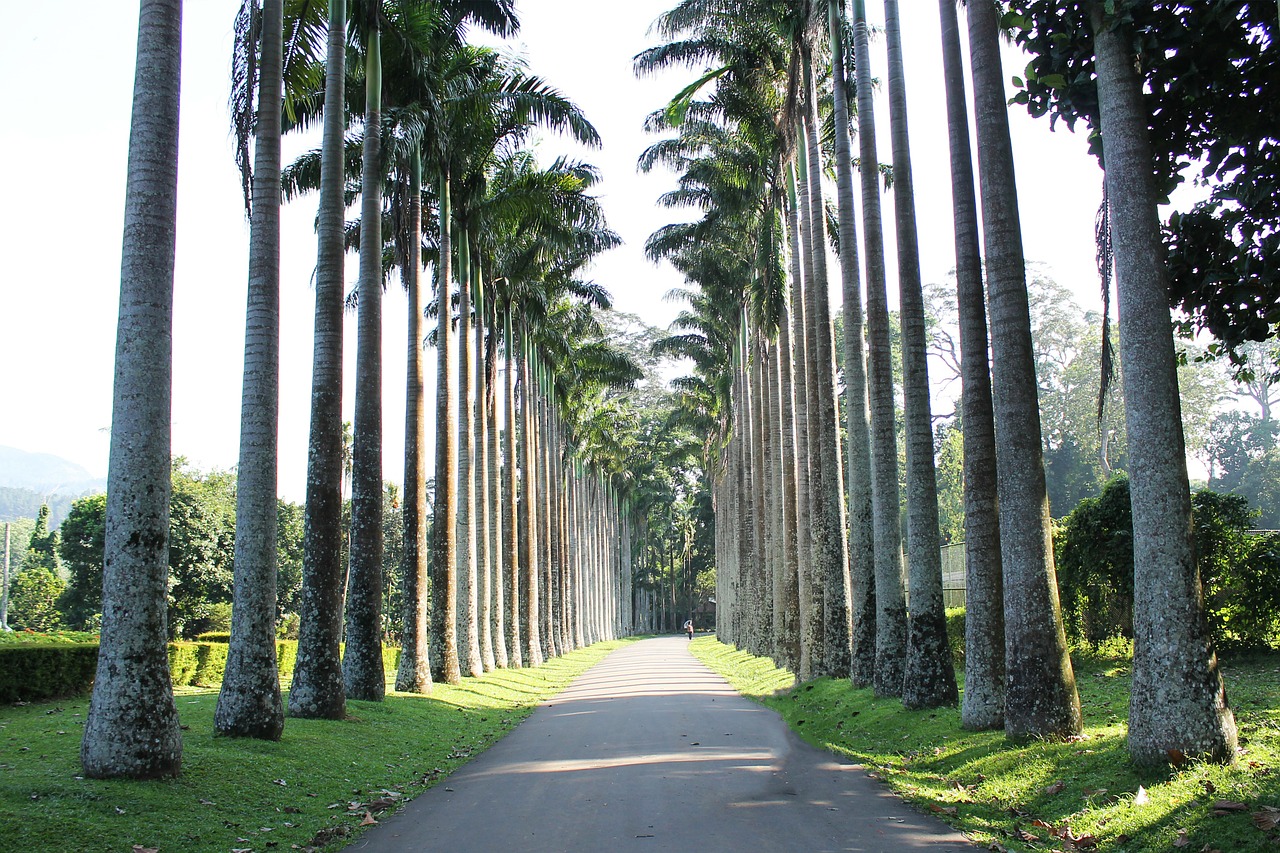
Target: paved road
{"x":650,"y":751}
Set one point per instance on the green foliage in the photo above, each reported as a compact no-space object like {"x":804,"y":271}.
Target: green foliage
{"x":82,"y":543}
{"x":1094,"y":558}
{"x":19,"y":534}
{"x":201,"y":547}
{"x":30,"y":672}
{"x":1239,"y":571}
{"x":33,"y":600}
{"x":950,"y":472}
{"x":289,"y":518}
{"x":1209,"y":71}
{"x":42,"y":547}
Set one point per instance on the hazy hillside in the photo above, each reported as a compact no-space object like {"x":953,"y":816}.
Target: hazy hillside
{"x":30,"y":479}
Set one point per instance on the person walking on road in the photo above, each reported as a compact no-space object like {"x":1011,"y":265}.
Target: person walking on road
{"x":688,"y":628}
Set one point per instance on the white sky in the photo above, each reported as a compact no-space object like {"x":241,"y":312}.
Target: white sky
{"x":66,"y":148}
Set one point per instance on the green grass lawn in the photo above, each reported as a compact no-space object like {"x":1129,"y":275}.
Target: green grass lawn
{"x":313,"y":789}
{"x":1081,"y":794}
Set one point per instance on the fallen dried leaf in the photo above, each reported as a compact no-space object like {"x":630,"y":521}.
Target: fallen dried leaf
{"x":1267,"y":819}
{"x":369,"y":819}
{"x":1225,"y":807}
{"x":937,"y":809}
{"x":138,"y":848}
{"x":1141,"y":798}
{"x":1056,"y":787}
{"x":1176,"y":757}
{"x":1181,"y":840}
{"x":1026,"y":836}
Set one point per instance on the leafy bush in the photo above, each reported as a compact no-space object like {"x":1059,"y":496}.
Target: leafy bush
{"x":33,"y":599}
{"x":1094,"y":557}
{"x":214,"y":637}
{"x":1239,"y":571}
{"x":29,"y":672}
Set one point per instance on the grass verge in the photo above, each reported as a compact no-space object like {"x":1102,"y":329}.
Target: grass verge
{"x":1082,"y":794}
{"x":316,"y":788}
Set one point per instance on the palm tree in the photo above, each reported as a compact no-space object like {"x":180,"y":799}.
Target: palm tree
{"x":317,"y":689}
{"x":1040,"y":697}
{"x":249,"y":704}
{"x":362,"y":671}
{"x":891,"y":612}
{"x":983,"y":702}
{"x":1178,"y":704}
{"x":929,"y":680}
{"x":132,"y":727}
{"x":861,"y":528}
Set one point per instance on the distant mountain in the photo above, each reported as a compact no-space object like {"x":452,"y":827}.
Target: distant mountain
{"x":45,"y":473}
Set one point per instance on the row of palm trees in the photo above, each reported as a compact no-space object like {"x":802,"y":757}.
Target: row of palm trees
{"x":810,"y":563}
{"x":529,"y":531}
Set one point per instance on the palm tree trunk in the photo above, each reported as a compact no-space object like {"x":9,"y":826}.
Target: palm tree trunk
{"x":132,"y":727}
{"x":531,"y":576}
{"x":982,"y":706}
{"x":485,"y":532}
{"x":1040,"y":697}
{"x":809,"y":599}
{"x":414,"y":672}
{"x":249,"y":704}
{"x":468,"y":582}
{"x":891,"y":611}
{"x":787,"y":593}
{"x":362,"y":659}
{"x":1178,"y":703}
{"x":929,"y":679}
{"x":511,"y":514}
{"x":862,"y":580}
{"x":317,"y":690}
{"x":444,"y":531}
{"x":832,"y":549}
{"x":501,"y":578}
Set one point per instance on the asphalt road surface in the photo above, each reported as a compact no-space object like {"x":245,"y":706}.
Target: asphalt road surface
{"x":651,"y":751}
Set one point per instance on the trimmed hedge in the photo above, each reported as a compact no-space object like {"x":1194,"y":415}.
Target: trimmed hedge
{"x":30,"y":672}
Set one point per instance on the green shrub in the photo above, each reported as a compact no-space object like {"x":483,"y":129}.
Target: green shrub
{"x":214,"y":637}
{"x":1094,"y":556}
{"x":955,"y":633}
{"x":212,"y":664}
{"x":286,"y":657}
{"x":184,"y":660}
{"x":29,"y":672}
{"x":1239,"y":571}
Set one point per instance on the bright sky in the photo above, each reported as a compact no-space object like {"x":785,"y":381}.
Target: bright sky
{"x":62,"y":230}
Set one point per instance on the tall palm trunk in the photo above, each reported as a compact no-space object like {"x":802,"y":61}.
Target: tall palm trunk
{"x":317,"y":690}
{"x":862,"y":580}
{"x":132,"y":727}
{"x":1177,"y":704}
{"x":249,"y":704}
{"x":929,"y":679}
{"x":501,"y":578}
{"x":809,"y":601}
{"x":444,"y":532}
{"x":414,"y":673}
{"x":468,"y":606}
{"x":982,"y":706}
{"x":891,"y":611}
{"x":510,"y":505}
{"x":484,"y":499}
{"x":1040,"y":698}
{"x":362,"y":660}
{"x":531,"y":576}
{"x":786,"y":597}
